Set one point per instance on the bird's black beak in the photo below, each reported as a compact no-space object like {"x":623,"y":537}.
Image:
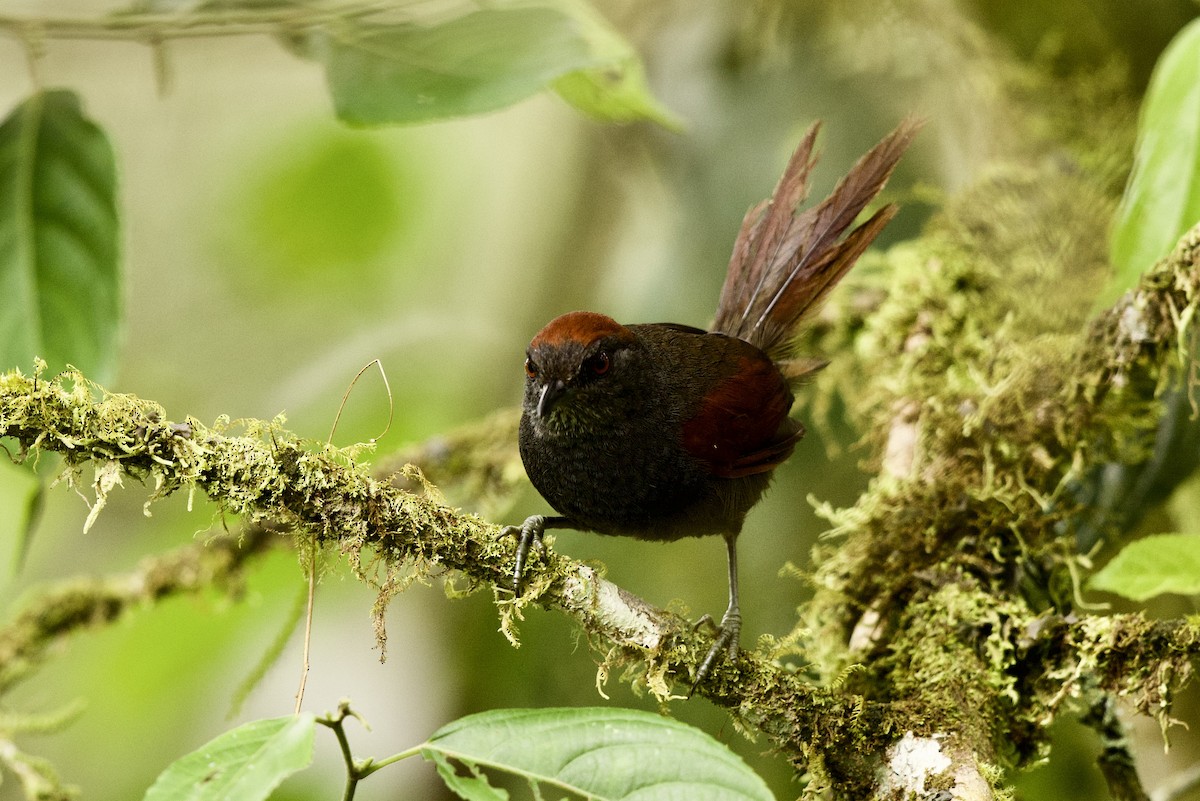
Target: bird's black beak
{"x":550,"y":394}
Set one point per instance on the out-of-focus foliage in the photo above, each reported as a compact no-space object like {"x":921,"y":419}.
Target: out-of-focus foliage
{"x":1162,"y":200}
{"x":325,"y":211}
{"x":1152,"y":566}
{"x":483,"y":60}
{"x":58,"y":238}
{"x":269,"y":253}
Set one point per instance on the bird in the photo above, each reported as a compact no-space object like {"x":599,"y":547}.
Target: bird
{"x":661,"y":431}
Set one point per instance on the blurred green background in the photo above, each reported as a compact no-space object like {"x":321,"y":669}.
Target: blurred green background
{"x":270,"y":252}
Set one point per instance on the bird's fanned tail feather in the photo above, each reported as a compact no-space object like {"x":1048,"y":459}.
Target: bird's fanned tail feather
{"x":785,"y":262}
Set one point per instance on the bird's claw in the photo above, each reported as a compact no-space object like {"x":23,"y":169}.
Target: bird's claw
{"x":528,"y":534}
{"x":727,"y":639}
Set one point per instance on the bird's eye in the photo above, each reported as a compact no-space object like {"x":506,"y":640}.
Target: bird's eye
{"x":531,"y":368}
{"x":599,"y":364}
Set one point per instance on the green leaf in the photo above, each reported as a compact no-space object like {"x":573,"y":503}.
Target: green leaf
{"x":1162,"y":199}
{"x":246,"y":763}
{"x":478,"y":62}
{"x":599,"y":753}
{"x":1152,"y":566}
{"x":323,"y":206}
{"x":58,"y":238}
{"x":616,"y":91}
{"x":482,"y":61}
{"x":475,"y":787}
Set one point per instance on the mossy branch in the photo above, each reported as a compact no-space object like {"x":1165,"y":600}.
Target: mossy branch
{"x":266,"y":474}
{"x":83,"y":603}
{"x":1027,"y":664}
{"x":940,"y":588}
{"x":79,"y":604}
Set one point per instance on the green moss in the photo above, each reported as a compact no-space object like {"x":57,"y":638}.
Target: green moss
{"x":993,"y":400}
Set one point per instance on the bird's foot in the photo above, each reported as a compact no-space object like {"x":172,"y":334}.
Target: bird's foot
{"x":728,"y":637}
{"x":528,"y":534}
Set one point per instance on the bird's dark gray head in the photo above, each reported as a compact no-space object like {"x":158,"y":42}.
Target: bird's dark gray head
{"x":576,"y":359}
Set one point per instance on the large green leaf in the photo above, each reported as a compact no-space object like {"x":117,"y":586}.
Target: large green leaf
{"x":616,"y":91}
{"x":600,"y":753}
{"x":1162,"y":200}
{"x":246,"y":763}
{"x":1152,"y":566}
{"x":481,"y":61}
{"x":58,"y":238}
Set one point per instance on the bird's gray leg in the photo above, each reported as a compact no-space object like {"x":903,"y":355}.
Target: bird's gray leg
{"x":729,"y":634}
{"x":529,"y":534}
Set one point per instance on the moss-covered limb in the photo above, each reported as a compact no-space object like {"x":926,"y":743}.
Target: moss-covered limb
{"x":1159,"y":313}
{"x":979,"y":678}
{"x":945,"y":678}
{"x":1128,"y":656}
{"x":994,"y":408}
{"x":266,"y":474}
{"x":1004,"y":428}
{"x":79,"y":604}
{"x":84,"y":603}
{"x":263,"y":473}
{"x":967,"y":397}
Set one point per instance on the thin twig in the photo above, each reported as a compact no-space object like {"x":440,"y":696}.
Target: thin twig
{"x":155,"y":27}
{"x":312,"y":544}
{"x":355,"y":770}
{"x":305,"y":658}
{"x":346,"y":396}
